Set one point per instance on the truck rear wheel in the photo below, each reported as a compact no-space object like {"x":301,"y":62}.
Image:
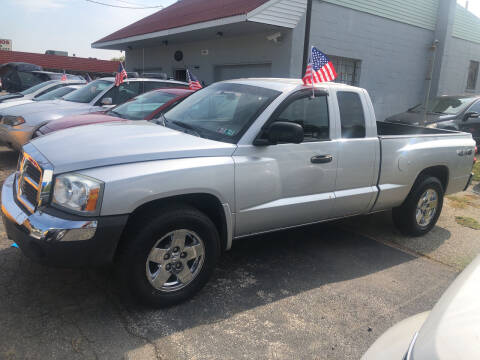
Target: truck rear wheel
{"x":420,"y":211}
{"x":167,"y":258}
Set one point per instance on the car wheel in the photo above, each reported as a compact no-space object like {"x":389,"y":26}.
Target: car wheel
{"x":167,"y":258}
{"x":420,"y":211}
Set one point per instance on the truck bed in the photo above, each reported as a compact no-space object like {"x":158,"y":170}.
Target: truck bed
{"x":394,"y":129}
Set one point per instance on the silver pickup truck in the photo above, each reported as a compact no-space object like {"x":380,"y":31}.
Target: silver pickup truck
{"x":163,"y":200}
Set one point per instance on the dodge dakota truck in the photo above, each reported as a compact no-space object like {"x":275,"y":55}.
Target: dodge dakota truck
{"x":162,"y":200}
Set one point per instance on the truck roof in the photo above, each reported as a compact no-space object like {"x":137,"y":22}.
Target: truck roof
{"x":286,"y":84}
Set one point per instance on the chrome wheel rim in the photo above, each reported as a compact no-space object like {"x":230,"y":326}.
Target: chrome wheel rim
{"x":426,"y":208}
{"x":175,"y":260}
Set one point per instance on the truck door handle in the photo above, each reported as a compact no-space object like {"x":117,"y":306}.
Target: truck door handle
{"x":321,"y":159}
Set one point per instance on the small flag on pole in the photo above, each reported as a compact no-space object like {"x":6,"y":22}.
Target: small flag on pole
{"x":319,"y":68}
{"x":193,"y":82}
{"x":121,"y":75}
{"x":64,"y":76}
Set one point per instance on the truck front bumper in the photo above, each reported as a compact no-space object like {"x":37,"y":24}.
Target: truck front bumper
{"x":60,"y":239}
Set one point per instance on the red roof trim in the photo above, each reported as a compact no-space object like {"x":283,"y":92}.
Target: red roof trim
{"x":59,"y":62}
{"x":183,"y":13}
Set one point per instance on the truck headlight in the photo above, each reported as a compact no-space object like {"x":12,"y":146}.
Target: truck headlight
{"x":78,"y":193}
{"x":432,"y":126}
{"x":13,"y":120}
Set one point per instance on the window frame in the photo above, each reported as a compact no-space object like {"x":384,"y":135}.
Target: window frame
{"x":285,"y":103}
{"x":365,"y":136}
{"x":475,"y":81}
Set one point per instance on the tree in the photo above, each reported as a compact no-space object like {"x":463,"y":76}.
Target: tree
{"x":119,"y":59}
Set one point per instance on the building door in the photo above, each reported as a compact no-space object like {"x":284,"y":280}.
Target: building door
{"x":227,"y":72}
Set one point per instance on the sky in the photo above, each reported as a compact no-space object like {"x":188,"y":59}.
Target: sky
{"x":68,"y":25}
{"x":72,"y":25}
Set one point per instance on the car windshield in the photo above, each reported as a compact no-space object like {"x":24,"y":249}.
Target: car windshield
{"x":448,"y":105}
{"x":37,"y":87}
{"x":55,"y":94}
{"x":221,"y":111}
{"x":89,"y":92}
{"x":142,"y":106}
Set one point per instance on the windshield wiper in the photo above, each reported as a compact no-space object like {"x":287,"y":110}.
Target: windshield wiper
{"x":183,"y":125}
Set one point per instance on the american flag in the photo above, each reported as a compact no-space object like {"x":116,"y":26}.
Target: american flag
{"x":120,"y":75}
{"x":64,"y":76}
{"x":319,"y":69}
{"x":193,"y":82}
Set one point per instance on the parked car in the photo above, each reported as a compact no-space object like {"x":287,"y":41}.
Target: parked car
{"x":51,"y":95}
{"x":450,"y":331}
{"x":19,"y":123}
{"x":460,"y":112}
{"x":17,"y":77}
{"x":148,"y":106}
{"x":237,"y":158}
{"x":35,"y":91}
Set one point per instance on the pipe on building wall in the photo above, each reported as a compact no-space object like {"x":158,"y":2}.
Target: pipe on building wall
{"x":428,"y":79}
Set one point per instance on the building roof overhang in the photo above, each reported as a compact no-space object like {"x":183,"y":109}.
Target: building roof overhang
{"x":272,"y":14}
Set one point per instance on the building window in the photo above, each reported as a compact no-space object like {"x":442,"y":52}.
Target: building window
{"x":348,"y":70}
{"x":472,"y":75}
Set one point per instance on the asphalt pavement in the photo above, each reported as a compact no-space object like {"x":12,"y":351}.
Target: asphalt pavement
{"x":320,"y":292}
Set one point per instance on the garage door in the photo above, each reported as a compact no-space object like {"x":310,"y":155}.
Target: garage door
{"x":227,"y":72}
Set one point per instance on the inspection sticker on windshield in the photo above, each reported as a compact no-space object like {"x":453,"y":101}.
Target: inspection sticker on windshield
{"x":225,"y":131}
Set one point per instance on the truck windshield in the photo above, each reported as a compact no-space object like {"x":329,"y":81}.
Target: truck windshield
{"x":450,"y":105}
{"x":221,"y":111}
{"x":89,"y":92}
{"x":142,"y":106}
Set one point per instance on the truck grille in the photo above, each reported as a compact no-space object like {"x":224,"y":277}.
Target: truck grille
{"x":29,"y":182}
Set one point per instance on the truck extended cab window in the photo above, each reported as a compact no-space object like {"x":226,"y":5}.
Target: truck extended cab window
{"x":351,"y":115}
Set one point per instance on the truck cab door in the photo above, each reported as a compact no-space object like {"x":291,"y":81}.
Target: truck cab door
{"x":284,"y":185}
{"x":472,"y":124}
{"x":359,"y":153}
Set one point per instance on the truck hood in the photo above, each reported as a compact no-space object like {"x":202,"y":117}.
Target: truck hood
{"x":452,"y":330}
{"x":43,"y":111}
{"x":414,"y":118}
{"x":116,"y":143}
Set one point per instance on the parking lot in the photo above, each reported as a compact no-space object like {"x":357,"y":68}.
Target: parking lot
{"x":321,"y":292}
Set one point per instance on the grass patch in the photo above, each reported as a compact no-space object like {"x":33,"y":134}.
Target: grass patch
{"x":476,"y":171}
{"x":460,"y":202}
{"x":467,"y":222}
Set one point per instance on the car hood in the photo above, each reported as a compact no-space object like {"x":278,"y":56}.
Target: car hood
{"x":78,"y":120}
{"x":414,"y":118}
{"x":43,"y":111}
{"x":116,"y":143}
{"x":9,"y":97}
{"x":452,"y":330}
{"x":17,"y":102}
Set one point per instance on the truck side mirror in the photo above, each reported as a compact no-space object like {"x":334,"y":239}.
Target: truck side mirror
{"x":282,"y":132}
{"x":107,"y":101}
{"x":471,"y":115}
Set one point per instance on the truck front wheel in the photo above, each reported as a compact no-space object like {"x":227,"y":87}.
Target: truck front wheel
{"x":168,"y":258}
{"x":420,"y":211}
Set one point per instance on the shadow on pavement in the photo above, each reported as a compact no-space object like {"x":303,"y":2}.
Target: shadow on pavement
{"x":380,"y":226}
{"x":54,"y":309}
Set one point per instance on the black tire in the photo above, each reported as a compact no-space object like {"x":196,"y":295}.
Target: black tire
{"x":142,"y":236}
{"x":404,"y":216}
